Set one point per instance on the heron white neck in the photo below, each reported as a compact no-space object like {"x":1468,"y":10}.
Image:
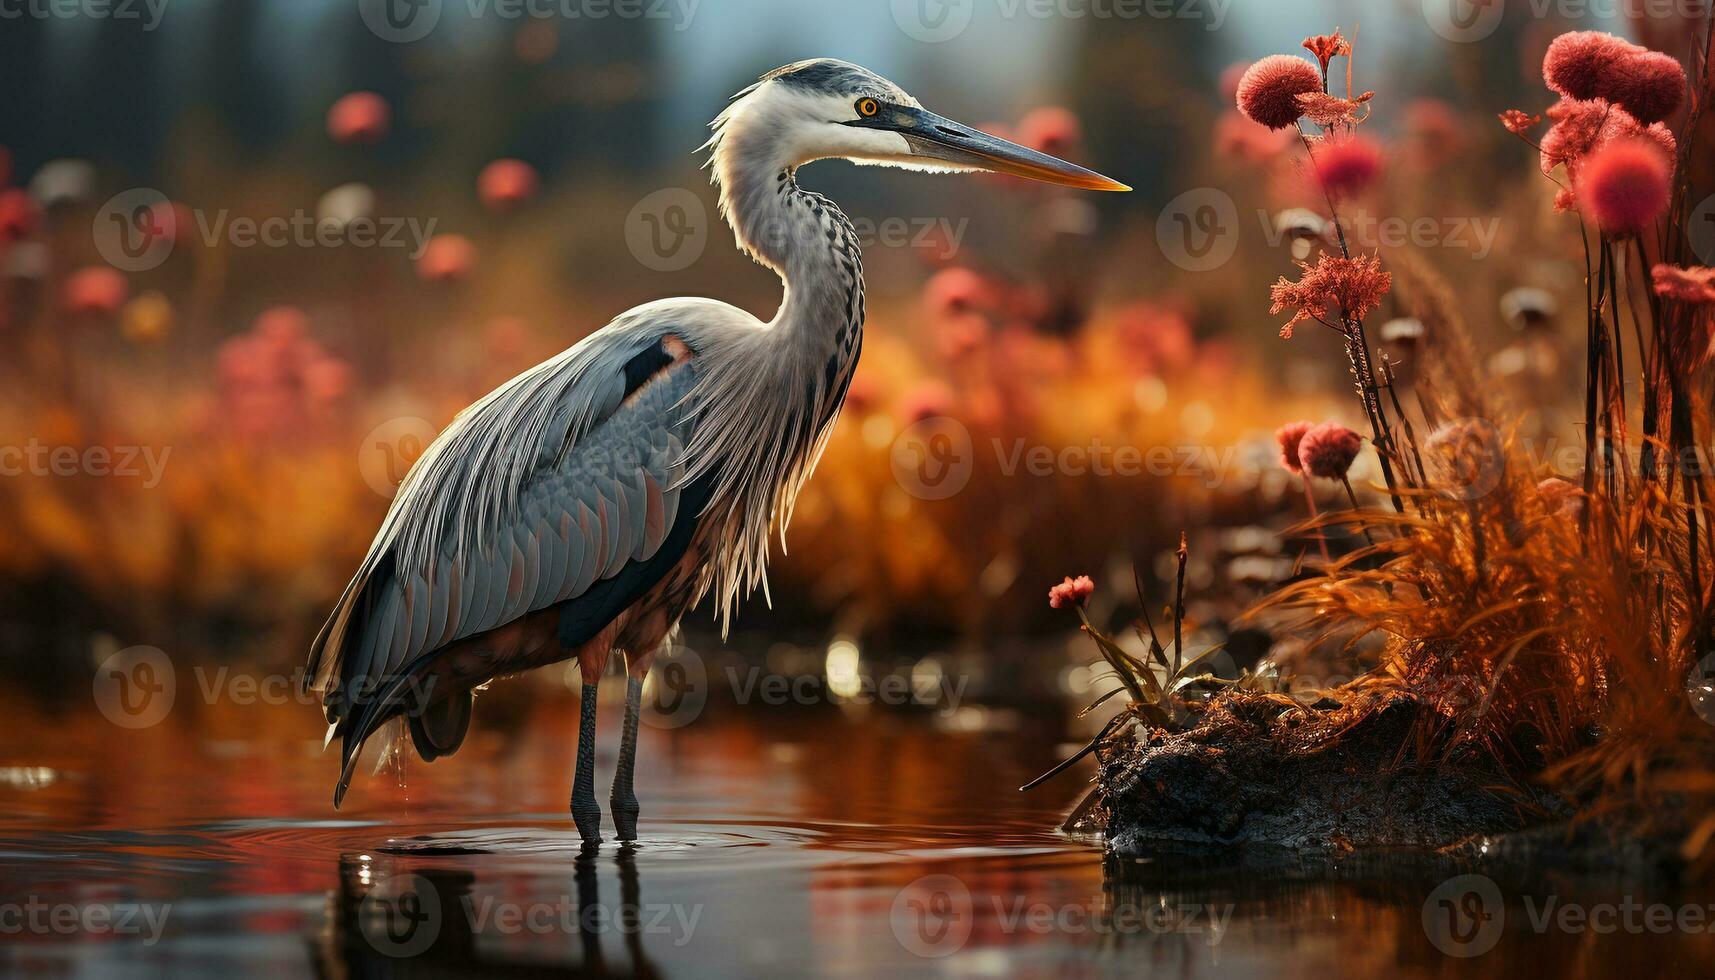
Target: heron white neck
{"x":802,"y":236}
{"x":779,"y":389}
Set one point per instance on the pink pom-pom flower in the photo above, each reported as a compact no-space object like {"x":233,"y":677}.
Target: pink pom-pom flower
{"x":1289,"y":436}
{"x":1585,"y":65}
{"x":1625,"y":186}
{"x":1578,"y":63}
{"x":1269,"y":90}
{"x":1650,"y":85}
{"x":1329,"y":449}
{"x":1350,"y":165}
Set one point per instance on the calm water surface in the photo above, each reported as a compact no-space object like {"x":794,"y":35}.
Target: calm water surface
{"x":777,"y":841}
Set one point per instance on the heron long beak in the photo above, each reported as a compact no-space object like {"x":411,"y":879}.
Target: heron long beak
{"x":938,"y":138}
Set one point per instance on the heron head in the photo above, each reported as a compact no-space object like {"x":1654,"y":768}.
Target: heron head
{"x":824,"y":108}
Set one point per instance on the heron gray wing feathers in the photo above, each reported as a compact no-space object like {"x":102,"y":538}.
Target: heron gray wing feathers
{"x":549,"y":484}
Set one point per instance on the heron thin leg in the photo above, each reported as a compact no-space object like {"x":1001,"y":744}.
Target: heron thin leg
{"x":624,"y":800}
{"x":586,"y":812}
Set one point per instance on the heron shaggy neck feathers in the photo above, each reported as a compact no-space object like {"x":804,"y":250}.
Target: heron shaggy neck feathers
{"x":768,"y":398}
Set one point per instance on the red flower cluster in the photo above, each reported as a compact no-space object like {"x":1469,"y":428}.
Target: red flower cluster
{"x":274,"y":378}
{"x":98,"y":290}
{"x":1238,"y":138}
{"x":1349,"y":165}
{"x":1695,"y":285}
{"x":1327,"y":47}
{"x":929,"y":400}
{"x":1581,"y":128}
{"x":1518,"y":122}
{"x":1157,"y":338}
{"x":1328,"y":110}
{"x":361,"y":117}
{"x":1050,"y":130}
{"x":956,"y":290}
{"x":505,"y":184}
{"x":1650,"y":85}
{"x":1612,"y":91}
{"x":1290,"y":436}
{"x":19,"y":215}
{"x":1626,"y":186}
{"x":1334,"y":289}
{"x":446,"y":258}
{"x":1071,"y":592}
{"x":1329,"y":449}
{"x":1269,"y":90}
{"x":1584,"y":65}
{"x":1433,"y":132}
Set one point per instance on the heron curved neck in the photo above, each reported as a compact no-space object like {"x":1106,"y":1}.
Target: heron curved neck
{"x":806,"y":239}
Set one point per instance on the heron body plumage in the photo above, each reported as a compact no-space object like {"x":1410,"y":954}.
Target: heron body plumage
{"x":585,"y":505}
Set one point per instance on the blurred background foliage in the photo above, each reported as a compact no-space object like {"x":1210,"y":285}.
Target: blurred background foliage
{"x":273,"y":378}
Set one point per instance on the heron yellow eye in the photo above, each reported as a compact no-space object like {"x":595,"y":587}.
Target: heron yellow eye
{"x":868,"y":107}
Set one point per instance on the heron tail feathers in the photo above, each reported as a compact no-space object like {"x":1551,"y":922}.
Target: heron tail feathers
{"x":409,"y":692}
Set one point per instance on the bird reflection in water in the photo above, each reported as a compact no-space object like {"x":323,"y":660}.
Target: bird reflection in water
{"x":395,"y":915}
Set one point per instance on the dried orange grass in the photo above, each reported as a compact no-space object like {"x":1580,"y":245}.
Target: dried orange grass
{"x":1558,"y":651}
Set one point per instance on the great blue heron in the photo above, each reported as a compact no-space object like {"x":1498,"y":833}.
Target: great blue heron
{"x":585,"y":505}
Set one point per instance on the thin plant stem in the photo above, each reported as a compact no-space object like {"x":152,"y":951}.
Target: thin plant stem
{"x":1321,"y":539}
{"x":1346,"y":482}
{"x":1179,"y":608}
